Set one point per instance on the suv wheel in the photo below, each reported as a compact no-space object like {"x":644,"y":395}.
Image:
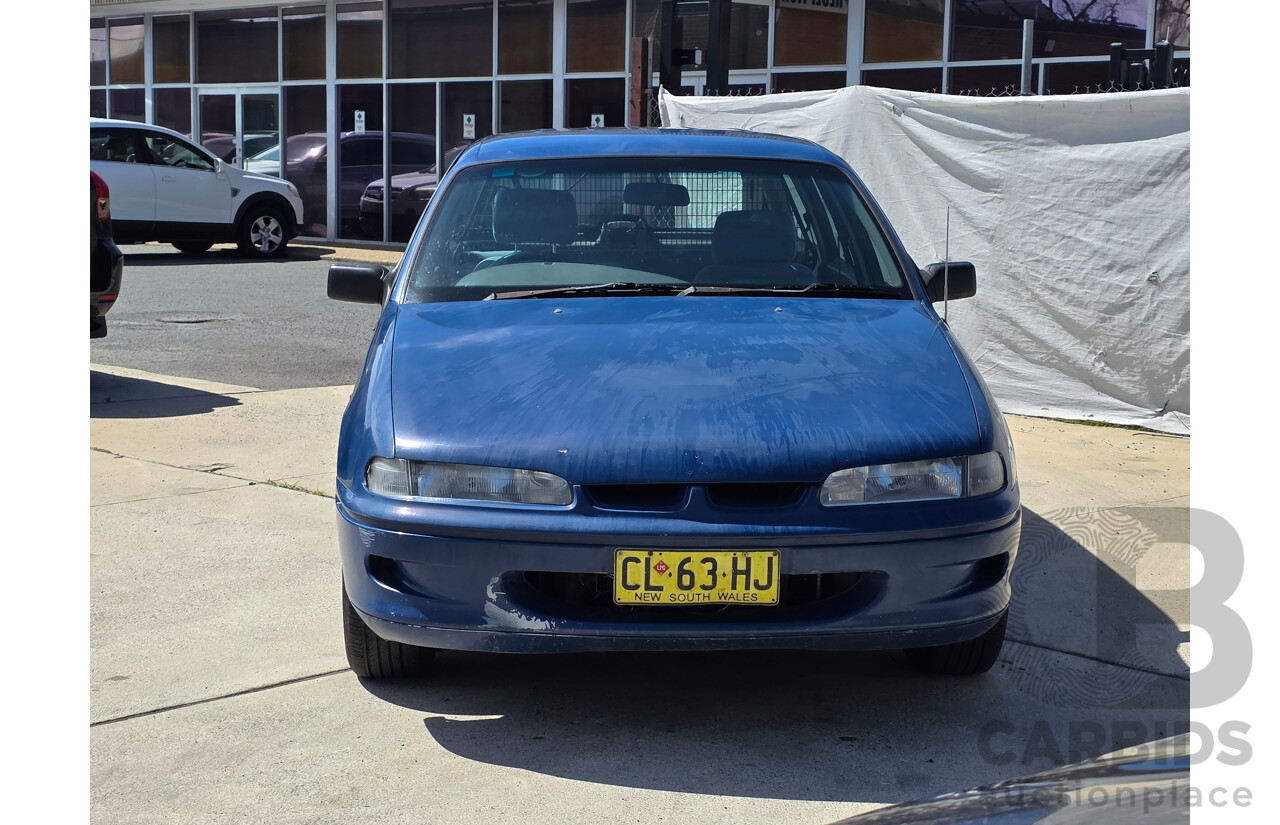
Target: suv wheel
{"x":962,"y":658}
{"x":261,"y":233}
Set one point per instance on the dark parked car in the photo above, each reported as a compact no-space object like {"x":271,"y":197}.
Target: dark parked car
{"x":409,"y":195}
{"x":307,"y":160}
{"x":106,"y":264}
{"x":728,"y":419}
{"x":223,"y":144}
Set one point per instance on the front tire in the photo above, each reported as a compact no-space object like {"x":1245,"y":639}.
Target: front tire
{"x":262,"y":233}
{"x":962,"y":658}
{"x":373,"y":657}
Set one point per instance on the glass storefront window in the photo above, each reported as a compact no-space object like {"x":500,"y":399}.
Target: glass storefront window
{"x":989,"y":30}
{"x":809,"y":81}
{"x":902,"y":30}
{"x":97,"y":103}
{"x":359,"y":40}
{"x":304,"y":43}
{"x":173,"y":109}
{"x":359,"y":153}
{"x":413,"y":109}
{"x":127,"y":50}
{"x":441,"y":38}
{"x":645,"y":21}
{"x":595,"y":96}
{"x":749,"y":35}
{"x":597,"y":36}
{"x":1173,"y":22}
{"x":129,"y":104}
{"x":748,"y":32}
{"x":911,"y":80}
{"x":218,"y":125}
{"x":458,"y":99}
{"x":97,"y":52}
{"x":237,"y":46}
{"x":986,"y":31}
{"x":524,"y":104}
{"x":305,"y":113}
{"x":171,"y":37}
{"x":811,"y":34}
{"x":524,"y":36}
{"x":413,"y":158}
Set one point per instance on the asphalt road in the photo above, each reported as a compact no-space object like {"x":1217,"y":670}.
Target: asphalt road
{"x":227,"y":319}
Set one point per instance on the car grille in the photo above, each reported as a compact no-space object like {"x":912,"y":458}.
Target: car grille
{"x":669,"y":496}
{"x":755,"y":495}
{"x":589,"y":597}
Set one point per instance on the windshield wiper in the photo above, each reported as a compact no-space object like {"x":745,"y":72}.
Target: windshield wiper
{"x":821,"y":289}
{"x":589,"y":289}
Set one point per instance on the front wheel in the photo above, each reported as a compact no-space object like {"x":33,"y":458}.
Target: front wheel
{"x":962,"y":658}
{"x":261,"y":233}
{"x":373,"y":657}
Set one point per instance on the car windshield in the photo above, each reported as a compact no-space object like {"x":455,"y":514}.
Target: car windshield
{"x":652,"y":225}
{"x":300,"y":146}
{"x":268,"y":154}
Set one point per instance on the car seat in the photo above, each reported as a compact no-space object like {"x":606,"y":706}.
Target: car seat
{"x":751,"y":248}
{"x":534,"y":222}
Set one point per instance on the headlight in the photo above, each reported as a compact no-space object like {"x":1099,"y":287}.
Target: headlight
{"x":973,"y":475}
{"x":469,"y":482}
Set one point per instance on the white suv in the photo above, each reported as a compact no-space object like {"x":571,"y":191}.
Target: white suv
{"x":166,"y":188}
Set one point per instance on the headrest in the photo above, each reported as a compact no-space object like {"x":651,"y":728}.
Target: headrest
{"x":535,"y":216}
{"x":758,"y":236}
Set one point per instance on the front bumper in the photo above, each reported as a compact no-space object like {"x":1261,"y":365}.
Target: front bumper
{"x":520,"y":596}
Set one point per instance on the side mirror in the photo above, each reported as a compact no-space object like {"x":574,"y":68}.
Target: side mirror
{"x":961,"y":281}
{"x":217,"y":168}
{"x":358,"y":283}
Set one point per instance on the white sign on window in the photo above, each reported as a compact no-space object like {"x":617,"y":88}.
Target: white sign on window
{"x":359,"y":121}
{"x":468,"y":127}
{"x":597,"y":121}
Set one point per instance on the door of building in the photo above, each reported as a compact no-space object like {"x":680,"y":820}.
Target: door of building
{"x":237,"y":124}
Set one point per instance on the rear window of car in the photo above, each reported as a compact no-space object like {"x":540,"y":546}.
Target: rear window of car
{"x":650,"y":220}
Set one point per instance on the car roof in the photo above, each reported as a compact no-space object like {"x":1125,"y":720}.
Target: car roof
{"x":102,"y":121}
{"x":655,"y":142}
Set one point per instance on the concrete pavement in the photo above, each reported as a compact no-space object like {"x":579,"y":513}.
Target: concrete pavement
{"x":219,"y":690}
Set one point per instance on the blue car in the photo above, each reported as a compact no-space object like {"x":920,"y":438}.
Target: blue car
{"x":638,"y":390}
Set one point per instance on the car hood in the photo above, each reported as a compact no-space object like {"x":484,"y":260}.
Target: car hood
{"x":693,"y":389}
{"x":408,"y":180}
{"x":256,"y":178}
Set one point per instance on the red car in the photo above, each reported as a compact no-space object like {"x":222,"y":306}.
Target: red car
{"x":106,"y":263}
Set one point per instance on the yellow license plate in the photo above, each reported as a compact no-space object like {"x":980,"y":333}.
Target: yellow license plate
{"x":696,"y":577}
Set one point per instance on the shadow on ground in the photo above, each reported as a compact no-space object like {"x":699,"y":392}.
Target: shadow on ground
{"x":164,"y":255}
{"x":117,"y":396}
{"x":821,"y":726}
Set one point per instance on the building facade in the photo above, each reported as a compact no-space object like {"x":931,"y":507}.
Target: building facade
{"x":284,"y":87}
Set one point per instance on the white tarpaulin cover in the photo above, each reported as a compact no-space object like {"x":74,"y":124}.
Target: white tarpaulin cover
{"x":1075,"y":210}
